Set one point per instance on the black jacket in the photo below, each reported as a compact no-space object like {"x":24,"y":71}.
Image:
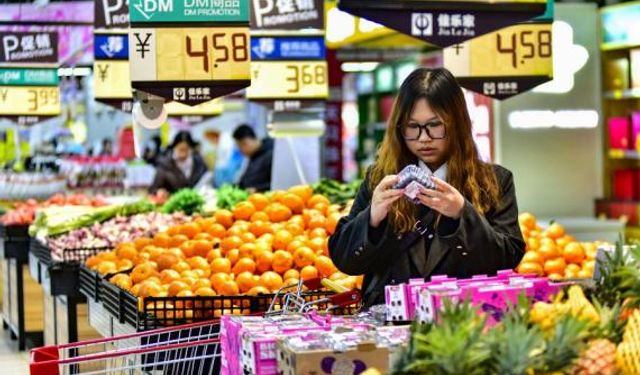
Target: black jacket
{"x":170,"y":177}
{"x":474,"y":244}
{"x":258,"y":172}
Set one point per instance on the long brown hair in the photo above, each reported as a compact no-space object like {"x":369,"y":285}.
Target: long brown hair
{"x":475,"y":179}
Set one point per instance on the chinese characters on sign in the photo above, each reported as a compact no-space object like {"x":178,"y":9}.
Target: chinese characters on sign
{"x":287,"y":14}
{"x":185,"y":11}
{"x":502,"y":89}
{"x":200,"y":94}
{"x":447,"y":24}
{"x":287,"y":48}
{"x":111,"y":14}
{"x":29,"y":47}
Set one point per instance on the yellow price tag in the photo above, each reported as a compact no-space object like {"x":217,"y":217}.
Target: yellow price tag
{"x":112,"y":80}
{"x":211,"y":108}
{"x":190,"y":54}
{"x":30,"y":101}
{"x":288,"y":80}
{"x":520,"y":50}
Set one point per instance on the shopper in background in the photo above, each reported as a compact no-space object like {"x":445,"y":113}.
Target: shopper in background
{"x":467,"y":226}
{"x":182,"y":167}
{"x":152,"y":150}
{"x":107,"y":147}
{"x":257,"y":176}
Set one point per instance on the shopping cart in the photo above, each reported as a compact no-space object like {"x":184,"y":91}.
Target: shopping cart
{"x":180,"y":350}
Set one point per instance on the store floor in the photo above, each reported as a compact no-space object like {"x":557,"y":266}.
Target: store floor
{"x":12,"y":361}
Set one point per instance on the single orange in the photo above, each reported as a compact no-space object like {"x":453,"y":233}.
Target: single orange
{"x":318,"y":232}
{"x":305,"y":192}
{"x":218,"y":279}
{"x":217,"y":230}
{"x":264,"y":261}
{"x":259,"y":216}
{"x":294,"y":202}
{"x":555,"y":231}
{"x":291,"y":274}
{"x":291,"y":282}
{"x":317,"y":245}
{"x":124,"y":265}
{"x":233,"y":255}
{"x":574,"y":253}
{"x":317,"y":221}
{"x":532,"y":257}
{"x":149,"y":289}
{"x":548,"y":251}
{"x":204,"y":292}
{"x":271,"y":281}
{"x":295,"y":244}
{"x":247,"y":249}
{"x":533,"y":244}
{"x":258,"y":228}
{"x":527,"y":220}
{"x":167,"y":276}
{"x":304,"y":256}
{"x":201,"y":283}
{"x":143,"y":242}
{"x":181,"y":266}
{"x":262,"y":246}
{"x":177,"y":240}
{"x":324,"y":265}
{"x":221,"y":265}
{"x":187,"y":248}
{"x":278,"y":212}
{"x":259,"y":201}
{"x":190,"y":230}
{"x":198,"y":262}
{"x":229,"y":288}
{"x":202,"y":247}
{"x":294,"y":228}
{"x":282,"y":261}
{"x":281,"y":239}
{"x":161,"y":240}
{"x":166,"y":260}
{"x":534,"y":268}
{"x":126,"y":251}
{"x":332,"y":222}
{"x":202,"y":272}
{"x":322,"y":208}
{"x":555,"y":266}
{"x":176,"y":287}
{"x":93,"y":262}
{"x":267,"y":237}
{"x":245,"y":281}
{"x":244,"y":265}
{"x":122,"y":280}
{"x":243,"y":210}
{"x":308,"y":272}
{"x":140,"y":272}
{"x":248,"y":237}
{"x":258,"y":290}
{"x":318,"y":198}
{"x":229,"y":243}
{"x":224,"y":218}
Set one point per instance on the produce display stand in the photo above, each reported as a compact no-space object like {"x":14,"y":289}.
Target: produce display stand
{"x":14,"y":252}
{"x":59,"y":280}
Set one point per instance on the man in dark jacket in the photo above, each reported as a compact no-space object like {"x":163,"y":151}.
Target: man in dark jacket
{"x":257,"y":176}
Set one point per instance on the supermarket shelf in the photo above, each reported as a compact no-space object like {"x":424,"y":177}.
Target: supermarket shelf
{"x":623,"y":94}
{"x":624,"y":154}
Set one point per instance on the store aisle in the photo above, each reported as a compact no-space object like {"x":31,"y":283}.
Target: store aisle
{"x":11,"y":360}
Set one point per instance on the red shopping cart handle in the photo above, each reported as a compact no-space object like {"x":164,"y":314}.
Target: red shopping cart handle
{"x":313,"y":284}
{"x":347,"y":298}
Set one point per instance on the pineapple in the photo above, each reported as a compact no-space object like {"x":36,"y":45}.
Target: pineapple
{"x":628,"y":356}
{"x":563,"y":346}
{"x":515,"y":347}
{"x":598,"y":359}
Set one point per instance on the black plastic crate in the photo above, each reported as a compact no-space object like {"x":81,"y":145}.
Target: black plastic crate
{"x":14,"y":242}
{"x":122,"y":305}
{"x":14,"y":231}
{"x":90,"y":283}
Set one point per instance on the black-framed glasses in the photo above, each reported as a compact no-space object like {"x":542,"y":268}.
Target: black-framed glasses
{"x":434,"y":129}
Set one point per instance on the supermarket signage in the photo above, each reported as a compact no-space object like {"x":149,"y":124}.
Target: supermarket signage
{"x":288,"y":48}
{"x":287,"y":14}
{"x":28,"y":77}
{"x":28,"y":48}
{"x":111,"y":14}
{"x":211,"y":108}
{"x":188,"y":11}
{"x":189,"y":65}
{"x":504,"y":63}
{"x":29,"y":102}
{"x":288,"y":80}
{"x":445,"y":23}
{"x":111,"y":46}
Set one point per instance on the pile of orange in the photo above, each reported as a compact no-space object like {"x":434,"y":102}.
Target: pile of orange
{"x":553,"y":253}
{"x":264,"y":243}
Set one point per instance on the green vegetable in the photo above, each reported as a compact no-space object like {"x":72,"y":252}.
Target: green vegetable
{"x":337,"y":192}
{"x":229,"y":195}
{"x":185,"y":200}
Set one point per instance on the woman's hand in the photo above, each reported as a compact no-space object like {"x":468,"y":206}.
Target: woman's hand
{"x":383,"y":196}
{"x":446,"y":199}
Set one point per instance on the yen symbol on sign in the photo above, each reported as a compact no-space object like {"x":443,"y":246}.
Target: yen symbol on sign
{"x":142,"y":46}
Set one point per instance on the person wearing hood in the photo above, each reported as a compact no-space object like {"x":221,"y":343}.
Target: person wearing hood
{"x":182,"y":166}
{"x":257,"y":175}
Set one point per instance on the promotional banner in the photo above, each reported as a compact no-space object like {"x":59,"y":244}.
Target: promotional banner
{"x":287,"y":15}
{"x":444,"y":22}
{"x":21,"y":48}
{"x":111,"y":14}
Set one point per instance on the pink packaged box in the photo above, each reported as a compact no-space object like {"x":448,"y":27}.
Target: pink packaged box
{"x":431,"y":299}
{"x":494,"y":300}
{"x":635,"y":130}
{"x":619,"y":133}
{"x":397,"y":301}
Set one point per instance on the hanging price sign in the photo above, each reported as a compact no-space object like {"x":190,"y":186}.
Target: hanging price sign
{"x":289,"y":80}
{"x":29,"y":89}
{"x":504,"y":63}
{"x":189,"y":51}
{"x":112,"y":85}
{"x":445,"y":22}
